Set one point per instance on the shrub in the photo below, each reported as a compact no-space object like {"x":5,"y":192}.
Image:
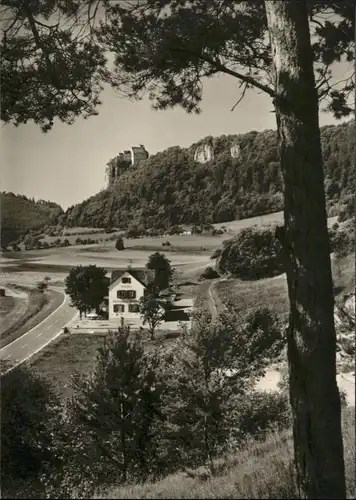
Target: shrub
{"x":166,"y":243}
{"x":254,"y":253}
{"x":342,"y":238}
{"x":119,"y":245}
{"x":15,"y":247}
{"x":175,"y":230}
{"x":209,"y":273}
{"x":196,"y":230}
{"x":216,"y":253}
{"x":260,"y":412}
{"x":348,"y":346}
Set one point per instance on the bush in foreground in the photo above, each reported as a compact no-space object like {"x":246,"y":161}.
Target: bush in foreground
{"x":29,"y":421}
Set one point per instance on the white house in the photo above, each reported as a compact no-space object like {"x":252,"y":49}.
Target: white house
{"x":126,"y":288}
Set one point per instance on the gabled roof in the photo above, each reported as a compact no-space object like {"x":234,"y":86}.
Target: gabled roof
{"x":142,"y":275}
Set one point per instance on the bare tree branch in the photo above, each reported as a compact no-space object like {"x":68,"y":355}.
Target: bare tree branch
{"x":241,"y":97}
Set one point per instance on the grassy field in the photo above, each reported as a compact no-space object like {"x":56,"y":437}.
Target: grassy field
{"x":84,"y":230}
{"x":258,"y":470}
{"x":71,"y":353}
{"x":39,"y":306}
{"x":273,"y":292}
{"x":99,"y":235}
{"x":185,"y":249}
{"x":7,"y":305}
{"x":65,"y":355}
{"x":247,"y":295}
{"x":73,"y":233}
{"x":262,"y":220}
{"x":10,"y":309}
{"x":179,"y":241}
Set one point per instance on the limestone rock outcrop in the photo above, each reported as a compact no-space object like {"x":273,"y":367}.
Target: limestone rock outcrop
{"x":204,"y":153}
{"x":235,"y":151}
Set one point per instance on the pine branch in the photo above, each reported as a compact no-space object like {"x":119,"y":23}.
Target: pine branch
{"x":218,"y":66}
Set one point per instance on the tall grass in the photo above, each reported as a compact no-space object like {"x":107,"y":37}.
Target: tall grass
{"x":259,"y":470}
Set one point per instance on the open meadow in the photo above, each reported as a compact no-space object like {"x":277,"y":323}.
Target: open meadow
{"x":247,"y":295}
{"x":261,"y":220}
{"x":273,"y":292}
{"x":185,"y":250}
{"x":63,"y":259}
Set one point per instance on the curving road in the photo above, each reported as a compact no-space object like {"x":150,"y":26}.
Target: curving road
{"x":38,"y":337}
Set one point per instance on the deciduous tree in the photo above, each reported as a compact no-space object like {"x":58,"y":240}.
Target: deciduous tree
{"x":163,"y":271}
{"x":152,"y":310}
{"x":42,"y":286}
{"x":119,"y":245}
{"x":87,"y":286}
{"x":213,"y":369}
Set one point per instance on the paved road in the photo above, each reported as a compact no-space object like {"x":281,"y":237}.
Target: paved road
{"x":35,"y":339}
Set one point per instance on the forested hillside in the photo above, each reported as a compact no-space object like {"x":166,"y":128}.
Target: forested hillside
{"x":20,"y":214}
{"x":171,"y":188}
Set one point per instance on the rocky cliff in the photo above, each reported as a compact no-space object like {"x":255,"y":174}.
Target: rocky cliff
{"x":204,"y":153}
{"x":215,"y":180}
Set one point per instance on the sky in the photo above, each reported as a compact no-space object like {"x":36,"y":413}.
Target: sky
{"x":67,"y":164}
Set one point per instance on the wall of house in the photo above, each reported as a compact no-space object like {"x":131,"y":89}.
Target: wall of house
{"x":113,"y":299}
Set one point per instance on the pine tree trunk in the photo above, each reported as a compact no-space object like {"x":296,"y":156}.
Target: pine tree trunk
{"x":314,"y":393}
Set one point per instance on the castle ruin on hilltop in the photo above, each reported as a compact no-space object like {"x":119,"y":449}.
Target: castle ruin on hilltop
{"x":123,"y":161}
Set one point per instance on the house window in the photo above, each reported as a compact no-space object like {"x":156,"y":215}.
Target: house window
{"x":134,"y":308}
{"x":126,"y":294}
{"x":126,"y":280}
{"x":119,"y":308}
